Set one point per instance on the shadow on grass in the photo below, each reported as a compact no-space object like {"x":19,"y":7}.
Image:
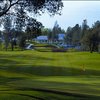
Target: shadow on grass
{"x":13,"y":95}
{"x":6,"y":61}
{"x":5,"y":80}
{"x":46,"y":92}
{"x":77,"y":95}
{"x":49,"y":70}
{"x":21,"y":66}
{"x":11,"y":58}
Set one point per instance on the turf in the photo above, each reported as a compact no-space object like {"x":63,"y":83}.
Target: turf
{"x":35,"y":75}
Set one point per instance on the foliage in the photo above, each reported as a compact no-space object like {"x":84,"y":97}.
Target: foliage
{"x":20,"y":19}
{"x":85,"y":27}
{"x":53,"y":33}
{"x":73,"y":35}
{"x":20,"y":11}
{"x":7,"y":31}
{"x":35,"y":6}
{"x":92,"y":37}
{"x":33,"y":28}
{"x":87,"y":37}
{"x":22,"y":41}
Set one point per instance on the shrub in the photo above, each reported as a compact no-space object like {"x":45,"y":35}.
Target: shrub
{"x":59,"y":50}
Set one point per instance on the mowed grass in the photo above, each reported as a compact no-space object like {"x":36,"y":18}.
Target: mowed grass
{"x":34,"y":75}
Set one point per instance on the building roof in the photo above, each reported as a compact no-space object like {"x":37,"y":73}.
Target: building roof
{"x":42,"y":38}
{"x":61,"y":36}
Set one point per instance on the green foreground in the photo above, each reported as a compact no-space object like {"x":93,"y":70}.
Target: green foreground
{"x":34,"y":75}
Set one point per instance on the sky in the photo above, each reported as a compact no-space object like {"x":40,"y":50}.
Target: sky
{"x":73,"y":12}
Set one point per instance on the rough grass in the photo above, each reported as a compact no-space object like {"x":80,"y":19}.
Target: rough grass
{"x":34,"y":75}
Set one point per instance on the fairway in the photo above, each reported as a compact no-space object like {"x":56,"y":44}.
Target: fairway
{"x":34,"y":75}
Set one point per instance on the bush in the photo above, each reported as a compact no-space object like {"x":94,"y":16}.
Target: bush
{"x":59,"y":50}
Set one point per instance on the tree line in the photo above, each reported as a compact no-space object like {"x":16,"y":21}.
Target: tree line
{"x":87,"y":37}
{"x":79,"y":35}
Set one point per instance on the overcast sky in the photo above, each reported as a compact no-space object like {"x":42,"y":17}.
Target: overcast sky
{"x":74,"y":12}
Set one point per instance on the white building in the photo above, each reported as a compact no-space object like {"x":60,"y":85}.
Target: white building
{"x":44,"y":39}
{"x":41,"y":39}
{"x":61,"y":38}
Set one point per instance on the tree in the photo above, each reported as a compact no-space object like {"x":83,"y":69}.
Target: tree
{"x":5,"y":6}
{"x":44,"y":31}
{"x":91,"y":38}
{"x":55,"y":31}
{"x":68,"y":36}
{"x":96,"y":24}
{"x":21,"y":9}
{"x":73,"y":35}
{"x":85,"y":27}
{"x":84,"y":33}
{"x":20,"y":23}
{"x":22,"y":41}
{"x":33,"y":28}
{"x":20,"y":19}
{"x":76,"y":36}
{"x":95,"y":37}
{"x":0,"y":39}
{"x":36,"y":6}
{"x":94,"y":42}
{"x":7,"y":30}
{"x":13,"y":43}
